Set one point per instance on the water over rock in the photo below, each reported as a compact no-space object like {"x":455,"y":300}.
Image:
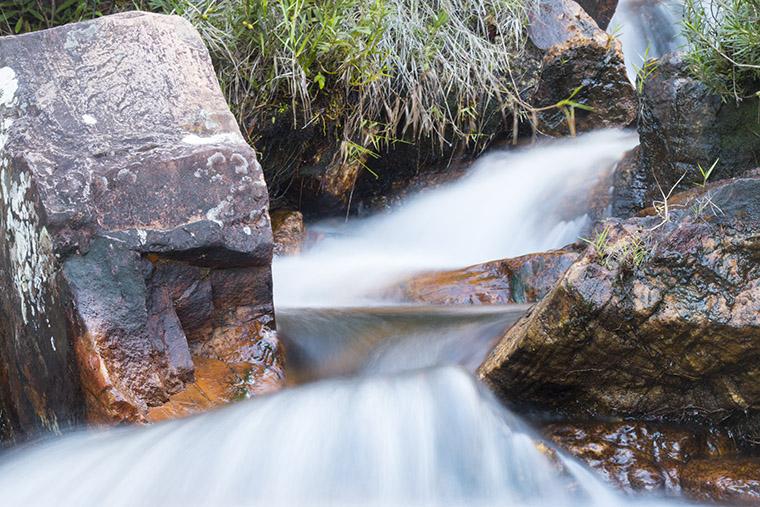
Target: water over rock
{"x":683,"y":124}
{"x":134,"y":234}
{"x":731,"y":481}
{"x":661,"y":319}
{"x":524,"y":279}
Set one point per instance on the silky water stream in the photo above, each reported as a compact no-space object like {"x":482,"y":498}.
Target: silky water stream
{"x":389,"y":412}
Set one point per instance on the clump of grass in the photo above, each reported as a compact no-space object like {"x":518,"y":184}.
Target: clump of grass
{"x":628,"y":250}
{"x":379,"y":69}
{"x":724,"y":45}
{"x":643,"y":71}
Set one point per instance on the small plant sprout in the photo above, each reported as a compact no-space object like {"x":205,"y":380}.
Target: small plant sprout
{"x":648,"y":66}
{"x":706,"y":173}
{"x":599,"y":243}
{"x":663,"y":207}
{"x":568,"y":107}
{"x":629,"y":249}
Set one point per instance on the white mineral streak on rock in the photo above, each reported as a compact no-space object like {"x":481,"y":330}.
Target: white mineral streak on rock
{"x":31,"y":251}
{"x":241,"y":163}
{"x":8,"y":85}
{"x":143,"y":235}
{"x":89,"y":119}
{"x":225,"y":138}
{"x":215,"y":213}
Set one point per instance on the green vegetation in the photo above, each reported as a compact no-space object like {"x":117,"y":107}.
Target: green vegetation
{"x":648,"y":66}
{"x":629,"y":249}
{"x":724,"y":45}
{"x":374,"y":71}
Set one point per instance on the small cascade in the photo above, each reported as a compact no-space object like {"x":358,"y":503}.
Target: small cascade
{"x":511,"y":203}
{"x":647,"y":28}
{"x":429,"y":438}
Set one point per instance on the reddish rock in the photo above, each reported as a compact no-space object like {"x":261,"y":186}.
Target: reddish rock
{"x":288,"y":231}
{"x":637,"y":456}
{"x":134,"y":236}
{"x":672,"y":335}
{"x":726,"y":481}
{"x":524,"y":279}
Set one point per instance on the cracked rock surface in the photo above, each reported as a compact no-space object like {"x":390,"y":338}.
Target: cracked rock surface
{"x":134,"y":235}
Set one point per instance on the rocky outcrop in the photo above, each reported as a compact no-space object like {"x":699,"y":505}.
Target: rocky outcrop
{"x":660,"y":319}
{"x":683,"y":125}
{"x":580,"y":62}
{"x":134,"y":235}
{"x":524,"y":279}
{"x":288,"y":232}
{"x":636,"y":456}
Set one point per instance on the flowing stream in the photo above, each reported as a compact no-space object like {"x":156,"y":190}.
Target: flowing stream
{"x":388,"y":412}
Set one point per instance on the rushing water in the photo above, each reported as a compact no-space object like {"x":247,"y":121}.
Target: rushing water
{"x":391,"y":414}
{"x":647,"y":28}
{"x":399,"y":427}
{"x":512,"y":203}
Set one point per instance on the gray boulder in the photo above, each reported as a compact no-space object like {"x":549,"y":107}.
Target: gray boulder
{"x":128,"y":195}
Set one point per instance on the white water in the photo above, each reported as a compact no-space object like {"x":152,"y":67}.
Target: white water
{"x":648,"y":28}
{"x":431,"y":438}
{"x":512,"y":203}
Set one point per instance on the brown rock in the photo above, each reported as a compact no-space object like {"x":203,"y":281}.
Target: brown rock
{"x":601,"y":10}
{"x":288,"y":231}
{"x":683,"y":125}
{"x":726,"y":481}
{"x":524,"y":279}
{"x":129,"y":202}
{"x":581,"y":61}
{"x":672,"y":335}
{"x":636,"y":456}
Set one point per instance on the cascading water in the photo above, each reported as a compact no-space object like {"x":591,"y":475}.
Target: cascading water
{"x":387,"y":436}
{"x":512,"y":203}
{"x":647,"y":29}
{"x":430,"y":438}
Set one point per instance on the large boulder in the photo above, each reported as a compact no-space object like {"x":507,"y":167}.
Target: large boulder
{"x":583,"y":63}
{"x":682,"y":125}
{"x":134,"y":235}
{"x":659,"y":319}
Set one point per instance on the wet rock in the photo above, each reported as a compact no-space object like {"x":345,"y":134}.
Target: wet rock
{"x":600,"y":10}
{"x":637,"y":456}
{"x":134,"y":235}
{"x":660,"y":321}
{"x":524,"y":279}
{"x":583,"y":62}
{"x":683,"y":125}
{"x":726,"y":481}
{"x":288,"y":231}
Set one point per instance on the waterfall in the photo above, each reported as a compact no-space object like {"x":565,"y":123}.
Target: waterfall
{"x":647,"y":28}
{"x":511,"y":203}
{"x":428,"y":438}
